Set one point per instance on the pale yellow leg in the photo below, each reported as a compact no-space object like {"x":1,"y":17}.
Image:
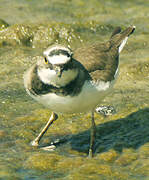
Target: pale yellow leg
{"x":92,"y":135}
{"x":53,"y":117}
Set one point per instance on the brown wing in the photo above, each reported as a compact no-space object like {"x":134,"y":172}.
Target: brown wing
{"x":100,"y":61}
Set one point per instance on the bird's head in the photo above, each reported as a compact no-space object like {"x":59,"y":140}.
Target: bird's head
{"x":58,"y":57}
{"x":58,"y":66}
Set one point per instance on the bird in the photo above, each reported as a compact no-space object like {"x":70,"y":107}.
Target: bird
{"x":67,"y":81}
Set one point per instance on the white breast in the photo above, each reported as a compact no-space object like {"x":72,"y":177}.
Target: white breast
{"x":49,"y":77}
{"x":90,"y":96}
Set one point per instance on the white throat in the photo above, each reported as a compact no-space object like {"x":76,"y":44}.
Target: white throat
{"x":50,"y":77}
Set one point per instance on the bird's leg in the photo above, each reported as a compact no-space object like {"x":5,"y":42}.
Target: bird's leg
{"x":92,"y":135}
{"x":53,"y":117}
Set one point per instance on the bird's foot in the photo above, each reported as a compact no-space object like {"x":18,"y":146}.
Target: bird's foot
{"x":105,"y":110}
{"x":49,"y":148}
{"x":34,"y":143}
{"x":90,"y":154}
{"x":53,"y":145}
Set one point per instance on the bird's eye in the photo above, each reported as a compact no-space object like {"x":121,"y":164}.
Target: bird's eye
{"x":46,"y":61}
{"x":68,"y":55}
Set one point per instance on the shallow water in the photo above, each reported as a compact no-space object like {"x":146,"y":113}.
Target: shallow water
{"x":122,"y":143}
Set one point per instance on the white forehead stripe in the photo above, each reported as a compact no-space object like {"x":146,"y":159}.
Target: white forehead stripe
{"x":50,"y":49}
{"x":58,"y":59}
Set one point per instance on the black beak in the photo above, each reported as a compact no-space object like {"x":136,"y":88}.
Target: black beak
{"x":59,"y":71}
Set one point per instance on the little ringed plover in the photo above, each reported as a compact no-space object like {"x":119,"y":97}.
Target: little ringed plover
{"x":74,"y":82}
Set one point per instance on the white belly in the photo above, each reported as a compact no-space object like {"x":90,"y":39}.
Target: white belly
{"x":90,"y":96}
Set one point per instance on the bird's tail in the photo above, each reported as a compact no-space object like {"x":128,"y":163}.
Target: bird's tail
{"x":118,"y":39}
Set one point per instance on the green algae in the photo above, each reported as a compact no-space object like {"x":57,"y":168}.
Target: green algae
{"x":139,"y":70}
{"x":3,"y":24}
{"x":125,"y":158}
{"x":42,"y":161}
{"x":16,"y":35}
{"x":43,"y":35}
{"x":109,"y":156}
{"x":144,"y":151}
{"x":39,"y":35}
